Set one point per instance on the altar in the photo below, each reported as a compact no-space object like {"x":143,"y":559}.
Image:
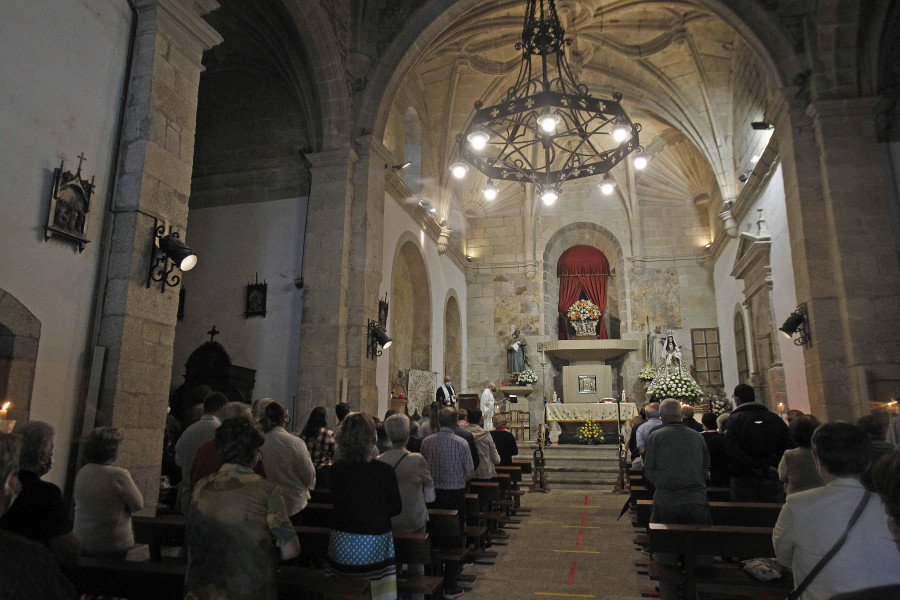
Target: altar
{"x":570,"y":417}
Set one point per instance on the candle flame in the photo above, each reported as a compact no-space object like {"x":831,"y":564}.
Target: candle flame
{"x":5,"y":405}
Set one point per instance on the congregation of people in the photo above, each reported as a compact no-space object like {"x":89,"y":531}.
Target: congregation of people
{"x":242,"y":482}
{"x":837,"y":483}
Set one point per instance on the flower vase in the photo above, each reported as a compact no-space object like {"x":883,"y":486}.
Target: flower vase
{"x":585,"y":327}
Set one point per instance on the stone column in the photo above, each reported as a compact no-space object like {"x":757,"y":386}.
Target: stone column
{"x":366,"y":260}
{"x":137,"y":324}
{"x":862,"y":255}
{"x":845,"y":266}
{"x":327,"y":281}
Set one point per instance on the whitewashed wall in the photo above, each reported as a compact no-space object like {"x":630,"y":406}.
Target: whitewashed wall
{"x":60,"y":81}
{"x":730,"y":292}
{"x":233,"y":244}
{"x":443,"y":276}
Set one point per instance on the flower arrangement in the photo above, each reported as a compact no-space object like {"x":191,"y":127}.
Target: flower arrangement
{"x":647,"y":373}
{"x":718,"y":403}
{"x":526,"y":377}
{"x":590,"y":433}
{"x":584,"y":310}
{"x":677,"y":386}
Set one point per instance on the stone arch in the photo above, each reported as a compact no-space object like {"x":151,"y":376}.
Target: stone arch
{"x":555,"y":242}
{"x":324,"y":51}
{"x":20,"y":334}
{"x":410,"y":313}
{"x":453,"y":338}
{"x":412,"y":151}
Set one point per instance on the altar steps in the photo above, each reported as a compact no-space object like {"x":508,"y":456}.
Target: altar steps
{"x":576,"y":467}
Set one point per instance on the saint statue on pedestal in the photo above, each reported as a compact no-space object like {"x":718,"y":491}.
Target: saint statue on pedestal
{"x":516,"y":353}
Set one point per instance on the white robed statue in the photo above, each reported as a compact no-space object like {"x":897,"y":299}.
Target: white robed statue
{"x":673,"y":379}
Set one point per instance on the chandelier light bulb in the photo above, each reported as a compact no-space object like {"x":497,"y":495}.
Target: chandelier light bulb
{"x":640,"y":162}
{"x":549,"y":196}
{"x":548,"y":122}
{"x":607,"y":186}
{"x":620,"y":133}
{"x":459,"y":169}
{"x":490,"y":190}
{"x":478,"y":139}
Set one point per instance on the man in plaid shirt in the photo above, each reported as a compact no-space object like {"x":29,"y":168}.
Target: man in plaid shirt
{"x":451,"y":466}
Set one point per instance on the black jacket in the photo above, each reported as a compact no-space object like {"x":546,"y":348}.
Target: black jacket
{"x":755,"y":439}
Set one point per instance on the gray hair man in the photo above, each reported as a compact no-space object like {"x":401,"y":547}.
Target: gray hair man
{"x":677,"y":463}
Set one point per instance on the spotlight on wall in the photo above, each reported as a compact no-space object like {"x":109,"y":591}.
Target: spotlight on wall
{"x":761,"y":125}
{"x":375,"y":337}
{"x":166,"y":248}
{"x":745,"y":175}
{"x":396,"y":168}
{"x":797,"y":322}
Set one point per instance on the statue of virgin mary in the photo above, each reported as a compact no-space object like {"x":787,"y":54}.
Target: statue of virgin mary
{"x":671,"y":368}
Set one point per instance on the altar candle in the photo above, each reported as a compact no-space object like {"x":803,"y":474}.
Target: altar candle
{"x":623,"y":395}
{"x":3,"y":410}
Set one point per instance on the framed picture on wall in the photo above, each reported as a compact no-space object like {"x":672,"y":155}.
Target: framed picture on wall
{"x":256,"y":299}
{"x":587,"y":384}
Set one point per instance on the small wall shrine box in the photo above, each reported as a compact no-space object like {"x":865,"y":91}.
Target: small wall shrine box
{"x":70,"y":205}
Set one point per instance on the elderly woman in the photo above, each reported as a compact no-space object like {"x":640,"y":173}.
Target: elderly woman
{"x":797,"y":469}
{"x":39,"y":512}
{"x":365,"y":496}
{"x":237,"y":524}
{"x":105,"y":497}
{"x":288,"y":463}
{"x":414,"y":480}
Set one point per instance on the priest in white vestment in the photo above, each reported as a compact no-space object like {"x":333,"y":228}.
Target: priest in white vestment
{"x":488,"y":406}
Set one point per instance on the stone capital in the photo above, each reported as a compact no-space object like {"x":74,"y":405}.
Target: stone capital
{"x":340,"y":157}
{"x":842,"y":108}
{"x":183,"y":22}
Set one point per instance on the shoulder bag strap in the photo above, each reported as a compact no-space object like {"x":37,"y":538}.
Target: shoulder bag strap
{"x":834,"y":550}
{"x":400,"y":461}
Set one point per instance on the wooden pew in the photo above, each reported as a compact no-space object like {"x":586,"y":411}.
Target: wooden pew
{"x":162,"y":581}
{"x":713,"y":494}
{"x":693,"y":541}
{"x":747,"y":514}
{"x":515,"y":478}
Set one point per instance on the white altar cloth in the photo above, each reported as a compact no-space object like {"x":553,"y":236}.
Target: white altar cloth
{"x":589,"y":411}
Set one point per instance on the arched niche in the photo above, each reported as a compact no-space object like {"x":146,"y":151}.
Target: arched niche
{"x":20,"y":334}
{"x":410,"y":314}
{"x":583,"y":234}
{"x":453,"y":339}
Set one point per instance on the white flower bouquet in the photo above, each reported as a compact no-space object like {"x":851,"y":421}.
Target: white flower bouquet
{"x":526,"y":377}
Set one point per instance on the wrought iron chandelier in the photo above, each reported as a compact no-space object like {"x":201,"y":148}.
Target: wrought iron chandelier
{"x":548,"y":128}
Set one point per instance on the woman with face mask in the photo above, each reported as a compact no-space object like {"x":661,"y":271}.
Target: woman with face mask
{"x":38,"y":513}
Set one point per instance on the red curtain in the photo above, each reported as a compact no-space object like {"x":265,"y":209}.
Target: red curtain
{"x":582,"y":268}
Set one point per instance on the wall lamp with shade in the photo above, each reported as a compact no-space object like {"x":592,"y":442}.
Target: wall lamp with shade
{"x":375,"y":337}
{"x":167,"y":253}
{"x":797,"y":322}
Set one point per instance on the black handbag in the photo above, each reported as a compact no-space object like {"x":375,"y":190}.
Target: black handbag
{"x":796,"y":592}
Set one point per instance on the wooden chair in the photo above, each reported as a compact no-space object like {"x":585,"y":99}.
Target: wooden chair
{"x":520,"y":424}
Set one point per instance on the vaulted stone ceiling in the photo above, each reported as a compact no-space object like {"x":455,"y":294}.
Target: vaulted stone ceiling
{"x":686,"y":76}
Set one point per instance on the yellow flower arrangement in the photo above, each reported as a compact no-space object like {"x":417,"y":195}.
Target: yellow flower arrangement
{"x":590,"y":433}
